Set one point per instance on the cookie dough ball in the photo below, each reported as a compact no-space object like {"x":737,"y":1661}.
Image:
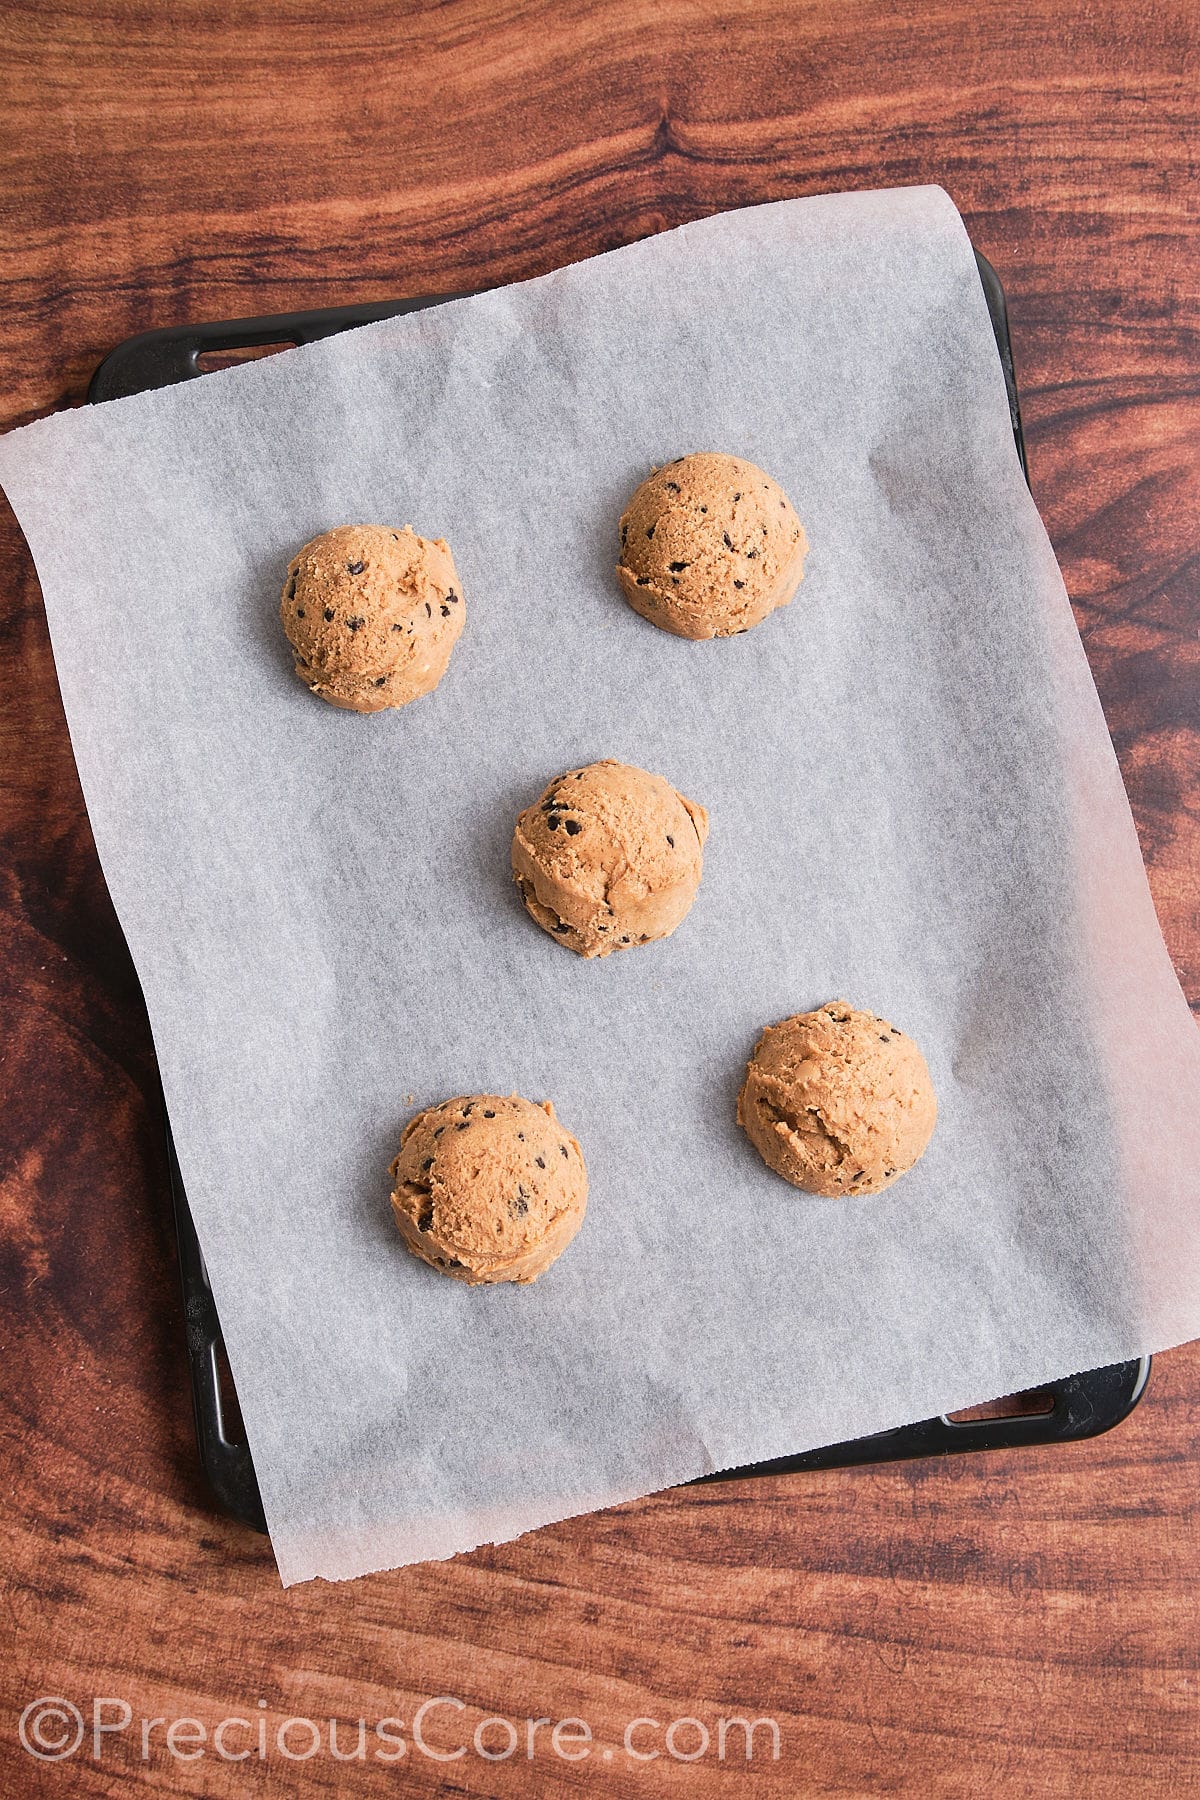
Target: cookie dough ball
{"x":837,"y":1101}
{"x":709,"y":546}
{"x":372,"y":615}
{"x":488,"y":1189}
{"x":609,"y":857}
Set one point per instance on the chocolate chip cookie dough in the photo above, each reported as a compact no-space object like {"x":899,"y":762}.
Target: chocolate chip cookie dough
{"x":837,"y":1101}
{"x":372,"y":615}
{"x":709,"y":546}
{"x":488,"y":1189}
{"x":609,"y":857}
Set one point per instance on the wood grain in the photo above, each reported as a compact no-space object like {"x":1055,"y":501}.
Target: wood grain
{"x":1011,"y":1624}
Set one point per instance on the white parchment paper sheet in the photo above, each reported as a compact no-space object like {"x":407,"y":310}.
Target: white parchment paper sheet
{"x":914,"y":805}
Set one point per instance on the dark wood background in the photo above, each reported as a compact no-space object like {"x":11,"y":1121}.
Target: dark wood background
{"x":1017,"y":1624}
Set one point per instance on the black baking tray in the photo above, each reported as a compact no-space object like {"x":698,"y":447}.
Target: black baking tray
{"x":1077,"y":1406}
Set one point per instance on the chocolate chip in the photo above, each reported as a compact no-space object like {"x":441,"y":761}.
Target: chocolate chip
{"x":439,"y":1131}
{"x":395,"y":537}
{"x":564,"y":1149}
{"x":329,"y":612}
{"x":896,"y":1032}
{"x":356,"y":568}
{"x":562,"y":926}
{"x":521,"y":1136}
{"x":672,"y":487}
{"x":540,"y":1161}
{"x":397,"y":628}
{"x":737,"y":497}
{"x":677,"y":567}
{"x":728,"y":540}
{"x":643,"y":581}
{"x":519,"y":1207}
{"x":445,"y":612}
{"x":602,"y":928}
{"x":461,"y":1125}
{"x":670,"y":840}
{"x":579,"y":776}
{"x":650,"y":531}
{"x":355,"y":624}
{"x":624,"y":940}
{"x":739,"y":584}
{"x":573,"y":827}
{"x":624,"y":533}
{"x":885,"y":1040}
{"x":381,"y":681}
{"x":428,"y":1163}
{"x":752,"y":553}
{"x":552,"y":821}
{"x":704,"y":509}
{"x":428,"y":610}
{"x":425,"y":1218}
{"x":468,"y":1110}
{"x":452,"y":598}
{"x":299,"y":612}
{"x":489,"y":1112}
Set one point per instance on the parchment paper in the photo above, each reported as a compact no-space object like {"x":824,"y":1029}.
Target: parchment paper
{"x":914,"y":805}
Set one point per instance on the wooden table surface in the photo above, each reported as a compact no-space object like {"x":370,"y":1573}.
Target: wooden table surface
{"x":1011,"y":1624}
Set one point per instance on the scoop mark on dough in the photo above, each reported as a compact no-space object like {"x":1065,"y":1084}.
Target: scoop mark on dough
{"x":787,"y":1124}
